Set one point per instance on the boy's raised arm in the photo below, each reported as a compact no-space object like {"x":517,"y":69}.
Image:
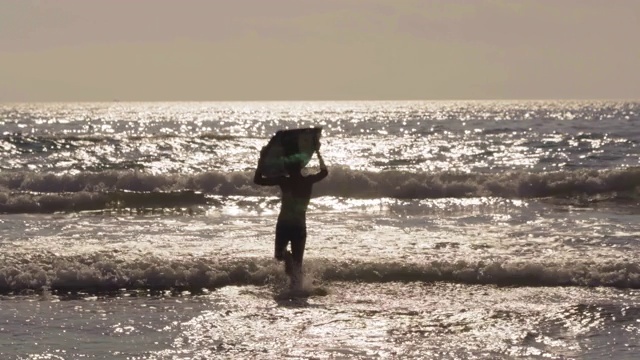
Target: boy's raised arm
{"x":323,"y":169}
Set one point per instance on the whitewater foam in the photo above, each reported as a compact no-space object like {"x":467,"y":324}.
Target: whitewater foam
{"x":105,"y":272}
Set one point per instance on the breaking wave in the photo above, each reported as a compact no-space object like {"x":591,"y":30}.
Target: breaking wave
{"x":98,"y":273}
{"x":38,"y":192}
{"x":30,"y":202}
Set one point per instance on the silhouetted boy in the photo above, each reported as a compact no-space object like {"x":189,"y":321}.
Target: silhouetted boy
{"x":291,"y":225}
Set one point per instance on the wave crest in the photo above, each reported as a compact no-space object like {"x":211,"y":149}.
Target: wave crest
{"x":105,"y":273}
{"x":32,"y":192}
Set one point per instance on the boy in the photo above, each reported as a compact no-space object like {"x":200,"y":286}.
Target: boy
{"x":291,"y":225}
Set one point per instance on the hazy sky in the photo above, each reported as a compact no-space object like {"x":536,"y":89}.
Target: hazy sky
{"x":86,"y":50}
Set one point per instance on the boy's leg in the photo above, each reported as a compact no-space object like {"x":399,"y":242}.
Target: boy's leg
{"x":281,"y":243}
{"x":281,"y":253}
{"x":297,"y":250}
{"x":297,"y":254}
{"x":288,"y":263}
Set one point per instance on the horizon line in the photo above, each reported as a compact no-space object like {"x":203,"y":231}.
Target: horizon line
{"x":316,"y":100}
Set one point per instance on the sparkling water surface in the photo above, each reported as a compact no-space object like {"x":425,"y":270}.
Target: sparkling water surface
{"x":444,"y":230}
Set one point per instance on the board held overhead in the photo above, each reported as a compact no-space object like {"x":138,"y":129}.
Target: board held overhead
{"x":289,"y":146}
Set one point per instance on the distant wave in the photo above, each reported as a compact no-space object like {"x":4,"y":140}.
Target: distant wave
{"x":105,"y":273}
{"x":109,"y":186}
{"x":29,"y":202}
{"x":515,"y":184}
{"x":26,"y":143}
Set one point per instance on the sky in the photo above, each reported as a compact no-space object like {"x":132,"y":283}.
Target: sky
{"x":220,"y":50}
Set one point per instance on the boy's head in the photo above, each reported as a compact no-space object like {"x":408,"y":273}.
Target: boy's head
{"x":293,"y":166}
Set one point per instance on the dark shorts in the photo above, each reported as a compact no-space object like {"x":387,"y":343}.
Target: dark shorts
{"x":290,"y":232}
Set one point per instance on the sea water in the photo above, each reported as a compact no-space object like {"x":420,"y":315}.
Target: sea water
{"x":454,"y":230}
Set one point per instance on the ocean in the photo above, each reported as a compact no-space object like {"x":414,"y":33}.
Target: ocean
{"x":445,"y":230}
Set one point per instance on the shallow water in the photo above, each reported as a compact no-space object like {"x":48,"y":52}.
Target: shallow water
{"x":355,"y":320}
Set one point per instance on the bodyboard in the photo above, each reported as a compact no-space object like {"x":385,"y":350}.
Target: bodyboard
{"x":297,"y":145}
